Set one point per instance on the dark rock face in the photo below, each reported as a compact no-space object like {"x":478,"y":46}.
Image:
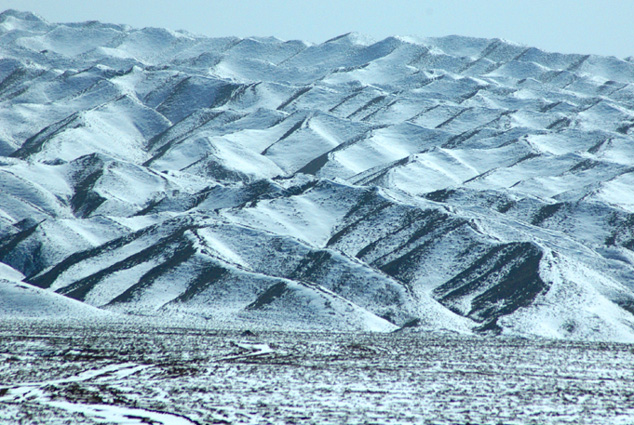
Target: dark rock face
{"x":504,"y":279}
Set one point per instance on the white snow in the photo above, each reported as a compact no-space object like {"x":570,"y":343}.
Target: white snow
{"x":418,"y":157}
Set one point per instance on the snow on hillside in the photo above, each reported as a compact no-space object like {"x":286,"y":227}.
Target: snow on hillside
{"x":453,"y":183}
{"x":21,"y":300}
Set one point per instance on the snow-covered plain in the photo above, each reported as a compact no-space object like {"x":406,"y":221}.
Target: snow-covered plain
{"x":455,"y":184}
{"x":59,"y":374}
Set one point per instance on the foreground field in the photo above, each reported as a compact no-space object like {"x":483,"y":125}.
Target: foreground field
{"x":131,"y":374}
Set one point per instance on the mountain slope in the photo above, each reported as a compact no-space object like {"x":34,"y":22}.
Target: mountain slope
{"x":454,"y":183}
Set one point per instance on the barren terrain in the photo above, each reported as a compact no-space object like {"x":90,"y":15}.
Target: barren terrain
{"x":130,"y":374}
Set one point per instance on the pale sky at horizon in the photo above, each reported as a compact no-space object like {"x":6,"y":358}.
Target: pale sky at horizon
{"x":567,"y":26}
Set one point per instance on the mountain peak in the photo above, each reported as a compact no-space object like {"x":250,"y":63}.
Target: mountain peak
{"x":12,"y":19}
{"x":353,"y":38}
{"x":20,"y":15}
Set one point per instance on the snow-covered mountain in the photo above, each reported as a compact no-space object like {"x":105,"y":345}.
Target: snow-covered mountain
{"x":453,"y":183}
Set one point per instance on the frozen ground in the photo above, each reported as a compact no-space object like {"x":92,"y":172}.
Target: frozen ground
{"x":130,"y":374}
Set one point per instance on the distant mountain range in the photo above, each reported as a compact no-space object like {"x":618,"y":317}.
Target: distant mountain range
{"x":444,"y":184}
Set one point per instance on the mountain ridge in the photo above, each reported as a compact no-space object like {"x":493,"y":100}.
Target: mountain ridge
{"x":458,"y":183}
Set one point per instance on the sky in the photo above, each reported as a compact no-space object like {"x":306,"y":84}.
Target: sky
{"x":566,"y":26}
